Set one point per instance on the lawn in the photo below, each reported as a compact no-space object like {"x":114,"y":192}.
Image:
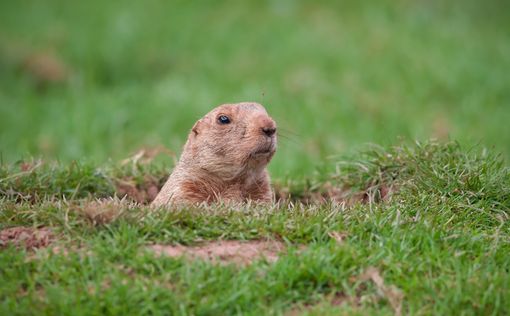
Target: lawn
{"x":424,"y":227}
{"x":334,"y":76}
{"x":438,"y":244}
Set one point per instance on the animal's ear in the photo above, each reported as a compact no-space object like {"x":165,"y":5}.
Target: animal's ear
{"x":196,"y":127}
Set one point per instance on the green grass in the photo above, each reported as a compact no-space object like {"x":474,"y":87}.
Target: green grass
{"x":442,"y":239}
{"x":335,"y":76}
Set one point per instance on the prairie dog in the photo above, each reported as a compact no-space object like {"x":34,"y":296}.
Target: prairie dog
{"x":224,"y":158}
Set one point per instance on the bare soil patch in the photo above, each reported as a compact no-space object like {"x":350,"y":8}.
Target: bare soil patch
{"x":26,"y":237}
{"x":104,"y":211}
{"x":46,"y":68}
{"x":142,"y":193}
{"x":225,"y":251}
{"x":331,"y":193}
{"x":390,"y":292}
{"x":145,"y":191}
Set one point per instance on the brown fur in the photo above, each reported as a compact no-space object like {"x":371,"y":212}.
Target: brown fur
{"x":224,"y":162}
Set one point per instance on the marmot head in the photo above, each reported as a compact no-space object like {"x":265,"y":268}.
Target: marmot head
{"x":231,"y":140}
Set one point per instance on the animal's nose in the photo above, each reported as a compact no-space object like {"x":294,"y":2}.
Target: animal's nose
{"x":269,"y":131}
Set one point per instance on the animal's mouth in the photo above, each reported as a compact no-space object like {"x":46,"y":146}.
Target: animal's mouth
{"x":265,"y":150}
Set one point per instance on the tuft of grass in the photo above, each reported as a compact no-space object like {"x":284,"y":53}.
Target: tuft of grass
{"x":36,"y":181}
{"x":473,"y":183}
{"x":431,"y":167}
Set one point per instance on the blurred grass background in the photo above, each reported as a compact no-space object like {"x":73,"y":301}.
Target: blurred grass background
{"x":98,"y":80}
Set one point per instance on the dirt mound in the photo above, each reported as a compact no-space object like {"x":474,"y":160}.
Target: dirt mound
{"x":143,"y":193}
{"x":225,"y":251}
{"x":26,"y":237}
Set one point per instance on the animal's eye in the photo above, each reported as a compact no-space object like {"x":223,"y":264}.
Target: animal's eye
{"x":223,"y":119}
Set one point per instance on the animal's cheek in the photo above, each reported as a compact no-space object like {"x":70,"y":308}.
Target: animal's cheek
{"x":220,"y":151}
{"x":243,"y":146}
{"x":251,"y":139}
{"x":195,"y":147}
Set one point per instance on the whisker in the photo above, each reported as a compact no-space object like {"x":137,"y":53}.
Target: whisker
{"x":288,"y":131}
{"x":287,"y":139}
